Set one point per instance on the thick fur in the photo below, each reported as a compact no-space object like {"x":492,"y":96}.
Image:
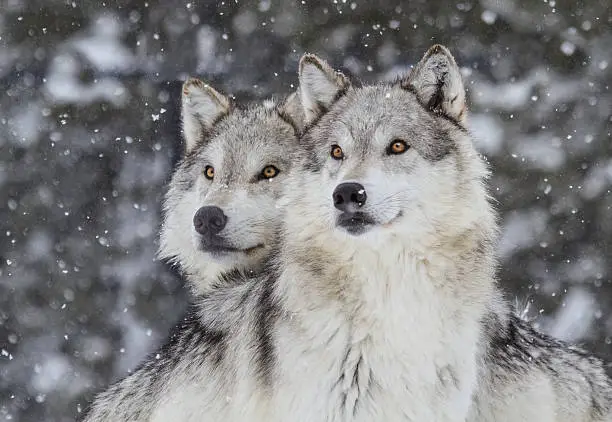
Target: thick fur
{"x":238,"y":144}
{"x":529,"y":376}
{"x":208,"y":369}
{"x":400,"y":320}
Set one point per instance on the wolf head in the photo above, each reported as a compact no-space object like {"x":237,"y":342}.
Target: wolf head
{"x":221,"y":211}
{"x":388,"y":164}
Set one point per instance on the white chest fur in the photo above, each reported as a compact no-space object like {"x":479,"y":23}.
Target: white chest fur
{"x":406,"y":350}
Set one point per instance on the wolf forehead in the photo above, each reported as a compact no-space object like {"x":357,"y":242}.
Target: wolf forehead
{"x":366,"y":119}
{"x":256,"y":131}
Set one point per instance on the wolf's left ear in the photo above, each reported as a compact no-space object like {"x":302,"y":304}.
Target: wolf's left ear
{"x":320,"y":86}
{"x":436,"y":80}
{"x":202,"y":107}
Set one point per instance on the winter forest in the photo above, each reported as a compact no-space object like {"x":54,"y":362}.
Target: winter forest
{"x":89,"y":134}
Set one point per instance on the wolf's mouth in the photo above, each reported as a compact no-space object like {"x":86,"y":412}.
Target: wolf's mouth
{"x":355,"y":222}
{"x":217,"y":246}
{"x":360,"y":222}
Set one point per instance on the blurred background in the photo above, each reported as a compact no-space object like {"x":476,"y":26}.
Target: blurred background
{"x":89,"y":133}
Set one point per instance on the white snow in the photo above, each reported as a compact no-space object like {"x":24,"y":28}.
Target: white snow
{"x":488,"y":17}
{"x":102,"y":46}
{"x":543,"y":151}
{"x":487,"y":131}
{"x":522,"y":229}
{"x":573,"y":321}
{"x":63,"y":85}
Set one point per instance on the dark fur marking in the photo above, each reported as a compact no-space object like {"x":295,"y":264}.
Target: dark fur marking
{"x":341,"y":92}
{"x":289,"y":120}
{"x":312,"y":163}
{"x":340,"y":379}
{"x":205,"y":137}
{"x":509,"y":346}
{"x":518,"y":347}
{"x":188,"y":335}
{"x":410,"y":88}
{"x":266,"y":314}
{"x":354,"y":382}
{"x":322,"y":108}
{"x":436,"y":100}
{"x":232,"y":277}
{"x":442,"y":145}
{"x":311,"y":58}
{"x":313,"y":166}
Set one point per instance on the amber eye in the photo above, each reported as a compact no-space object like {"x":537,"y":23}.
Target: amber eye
{"x":336,"y":152}
{"x":209,"y":172}
{"x":397,"y":147}
{"x":269,"y":172}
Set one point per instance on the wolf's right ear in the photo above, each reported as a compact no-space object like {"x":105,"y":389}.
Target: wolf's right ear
{"x":202,"y":107}
{"x":320,"y":86}
{"x":437,"y":83}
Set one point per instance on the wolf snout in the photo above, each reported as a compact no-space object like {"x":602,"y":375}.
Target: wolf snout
{"x":350,"y":196}
{"x":209,"y":220}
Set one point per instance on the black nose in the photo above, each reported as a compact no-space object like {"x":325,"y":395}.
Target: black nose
{"x":349,"y":196}
{"x":209,"y":220}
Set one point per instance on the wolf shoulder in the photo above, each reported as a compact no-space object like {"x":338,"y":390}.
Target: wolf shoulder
{"x":528,"y":375}
{"x":193,"y":374}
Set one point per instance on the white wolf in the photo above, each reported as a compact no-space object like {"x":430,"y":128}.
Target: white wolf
{"x":380,"y":302}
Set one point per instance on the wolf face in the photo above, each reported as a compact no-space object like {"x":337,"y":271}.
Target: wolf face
{"x":391,"y":159}
{"x":221,"y":211}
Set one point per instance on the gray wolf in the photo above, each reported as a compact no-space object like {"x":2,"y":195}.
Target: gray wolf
{"x":389,"y":241}
{"x":379,"y":302}
{"x":221,"y":210}
{"x":410,"y":190}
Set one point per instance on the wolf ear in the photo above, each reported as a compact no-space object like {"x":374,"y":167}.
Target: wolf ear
{"x":320,"y":86}
{"x":202,"y":107}
{"x":291,"y":110}
{"x":436,"y":80}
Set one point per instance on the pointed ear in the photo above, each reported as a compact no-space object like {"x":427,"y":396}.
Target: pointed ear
{"x":320,"y":86}
{"x":291,"y":110}
{"x":436,"y":80}
{"x":202,"y":107}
